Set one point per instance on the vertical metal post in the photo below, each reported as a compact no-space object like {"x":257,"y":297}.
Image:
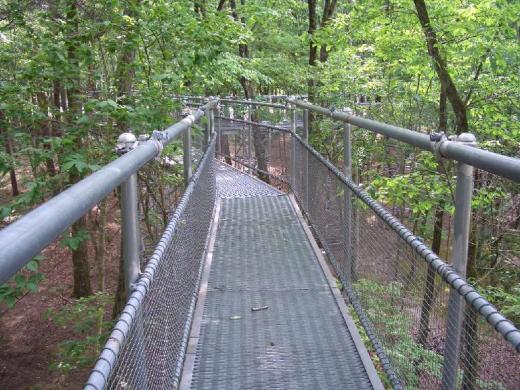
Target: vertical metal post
{"x":461,"y":229}
{"x":131,"y":248}
{"x":130,"y":232}
{"x":207,"y":130}
{"x":347,"y":169}
{"x":187,"y":155}
{"x":306,"y":161}
{"x":219,"y":137}
{"x":269,"y":148}
{"x":249,"y":138}
{"x":292,"y":118}
{"x":212,"y":122}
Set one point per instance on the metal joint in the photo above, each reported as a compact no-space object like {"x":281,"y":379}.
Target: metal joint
{"x":158,"y":138}
{"x":160,"y":135}
{"x":436,"y":140}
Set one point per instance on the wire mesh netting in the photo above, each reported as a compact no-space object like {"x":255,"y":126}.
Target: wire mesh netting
{"x":401,"y":300}
{"x":404,"y":300}
{"x":154,"y":326}
{"x":161,"y":185}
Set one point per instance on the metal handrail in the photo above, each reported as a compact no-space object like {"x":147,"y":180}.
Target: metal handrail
{"x":26,"y":237}
{"x":508,"y":167}
{"x":254,"y":103}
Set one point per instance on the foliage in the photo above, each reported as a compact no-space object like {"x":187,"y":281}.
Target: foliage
{"x":380,"y":301}
{"x":410,"y":360}
{"x":24,"y":282}
{"x":85,"y":318}
{"x":508,"y":302}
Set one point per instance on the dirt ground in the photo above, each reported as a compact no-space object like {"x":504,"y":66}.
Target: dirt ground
{"x":28,"y":340}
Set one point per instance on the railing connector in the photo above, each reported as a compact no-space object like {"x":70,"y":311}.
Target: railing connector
{"x":130,"y":217}
{"x":461,"y":229}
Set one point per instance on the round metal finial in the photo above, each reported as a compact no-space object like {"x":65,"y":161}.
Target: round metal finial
{"x":125,"y":143}
{"x":467,"y":138}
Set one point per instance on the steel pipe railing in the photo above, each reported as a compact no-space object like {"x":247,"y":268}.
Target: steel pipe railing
{"x":508,"y":167}
{"x":254,"y":103}
{"x":26,"y":237}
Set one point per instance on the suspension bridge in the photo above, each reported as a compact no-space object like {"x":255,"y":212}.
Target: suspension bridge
{"x":278,"y":271}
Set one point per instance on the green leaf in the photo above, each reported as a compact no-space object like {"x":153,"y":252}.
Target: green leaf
{"x":32,"y":265}
{"x":20,"y":280}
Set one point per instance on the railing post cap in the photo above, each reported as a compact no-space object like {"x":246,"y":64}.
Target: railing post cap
{"x":126,"y":138}
{"x":125,"y":143}
{"x":467,"y":138}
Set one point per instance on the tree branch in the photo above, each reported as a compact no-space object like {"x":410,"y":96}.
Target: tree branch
{"x":458,"y":105}
{"x":221,"y":5}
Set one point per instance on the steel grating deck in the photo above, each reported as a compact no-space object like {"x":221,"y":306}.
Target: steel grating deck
{"x":231,"y":183}
{"x":262,"y":258}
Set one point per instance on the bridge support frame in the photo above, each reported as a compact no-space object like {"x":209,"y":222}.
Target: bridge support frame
{"x":292,"y":119}
{"x":249,"y":138}
{"x":348,"y":213}
{"x":461,"y":230}
{"x":306,"y":160}
{"x":186,"y":156}
{"x":131,"y":235}
{"x":207,"y":129}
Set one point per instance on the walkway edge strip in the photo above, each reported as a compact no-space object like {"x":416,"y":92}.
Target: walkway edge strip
{"x":189,"y":360}
{"x":340,"y":301}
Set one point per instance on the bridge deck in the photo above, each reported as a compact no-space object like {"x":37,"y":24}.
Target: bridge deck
{"x":267,"y":315}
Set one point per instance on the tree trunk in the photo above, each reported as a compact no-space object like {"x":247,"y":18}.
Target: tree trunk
{"x":47,"y":133}
{"x":9,"y":150}
{"x":313,"y":55}
{"x":429,"y":288}
{"x":125,"y":75}
{"x":440,"y":66}
{"x":120,"y":297}
{"x":199,"y":7}
{"x":328,"y":11}
{"x":221,"y":5}
{"x":81,"y":269}
{"x":249,"y":92}
{"x":329,"y":7}
{"x":100,"y":243}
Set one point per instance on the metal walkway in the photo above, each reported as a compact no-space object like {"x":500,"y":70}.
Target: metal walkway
{"x":269,"y":317}
{"x":253,"y":304}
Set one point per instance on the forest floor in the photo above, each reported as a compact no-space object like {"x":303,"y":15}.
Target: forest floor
{"x":29,"y":340}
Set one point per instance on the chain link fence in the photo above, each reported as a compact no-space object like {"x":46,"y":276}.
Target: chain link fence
{"x":147,"y":346}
